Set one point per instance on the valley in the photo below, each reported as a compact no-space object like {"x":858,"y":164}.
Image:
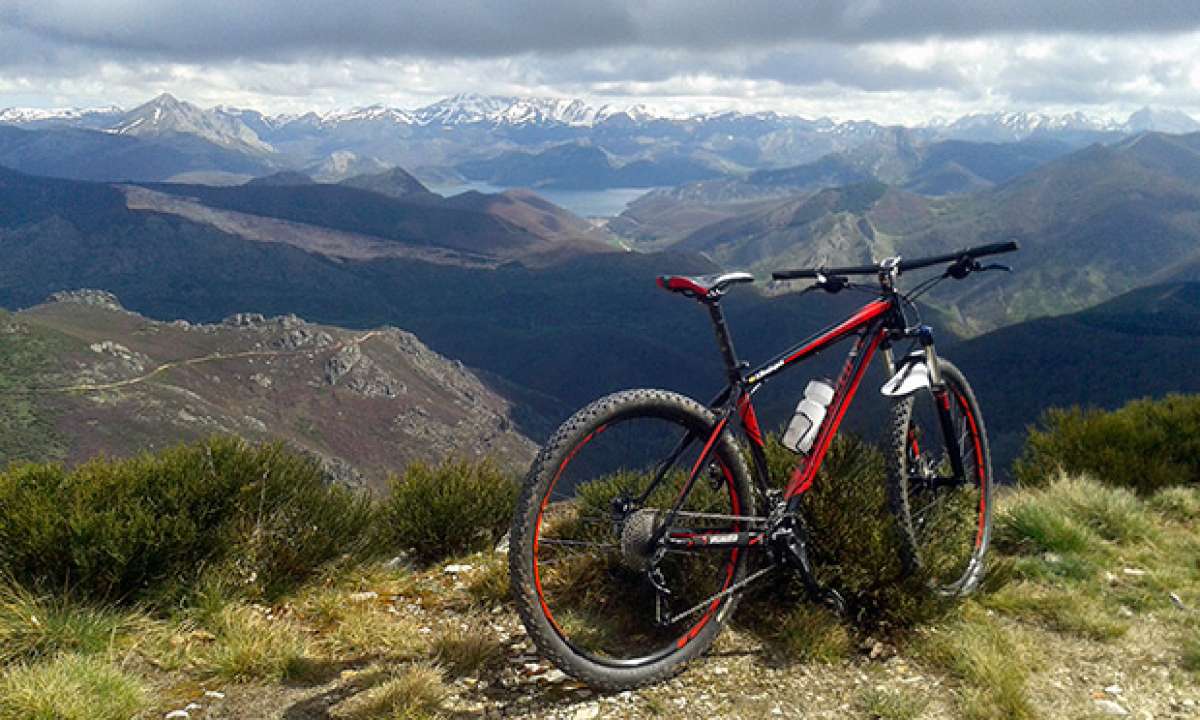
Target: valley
{"x":553,"y":310}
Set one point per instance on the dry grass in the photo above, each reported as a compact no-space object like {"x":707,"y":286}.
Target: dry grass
{"x":1064,"y":611}
{"x":803,"y":633}
{"x":891,"y":705}
{"x":488,"y":584}
{"x":34,"y":625}
{"x":468,"y":649}
{"x":252,"y":646}
{"x":992,"y":662}
{"x":415,"y":692}
{"x":70,"y":687}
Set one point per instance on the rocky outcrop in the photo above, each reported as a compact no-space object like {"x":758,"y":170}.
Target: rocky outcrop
{"x":85,"y":296}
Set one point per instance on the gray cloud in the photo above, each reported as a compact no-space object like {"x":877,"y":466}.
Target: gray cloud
{"x":267,"y":29}
{"x":857,"y":58}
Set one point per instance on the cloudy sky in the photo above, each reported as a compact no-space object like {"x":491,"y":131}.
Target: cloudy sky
{"x":888,"y":60}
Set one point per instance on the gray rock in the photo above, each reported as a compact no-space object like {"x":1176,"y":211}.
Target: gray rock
{"x":88,"y":296}
{"x":244,"y":320}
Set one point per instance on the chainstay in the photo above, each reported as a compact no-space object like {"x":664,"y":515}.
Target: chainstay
{"x":717,"y":516}
{"x":724,"y":593}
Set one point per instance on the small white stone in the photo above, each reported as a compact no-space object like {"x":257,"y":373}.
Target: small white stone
{"x":1108,"y":707}
{"x":1113,"y":689}
{"x":194,"y":706}
{"x":457,"y":568}
{"x":214,"y":694}
{"x":555,"y":676}
{"x":1177,"y":601}
{"x":182,"y":714}
{"x":1135,"y":572}
{"x":587,"y":712}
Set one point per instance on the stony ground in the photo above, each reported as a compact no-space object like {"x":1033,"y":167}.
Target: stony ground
{"x":1136,"y":675}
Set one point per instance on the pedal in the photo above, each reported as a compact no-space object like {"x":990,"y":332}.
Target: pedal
{"x":834,"y":600}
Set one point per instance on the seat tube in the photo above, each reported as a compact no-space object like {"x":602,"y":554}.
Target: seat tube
{"x":724,"y":341}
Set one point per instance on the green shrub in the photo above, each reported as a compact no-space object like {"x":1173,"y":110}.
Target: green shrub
{"x":449,"y":509}
{"x":855,"y":537}
{"x":1145,"y":445}
{"x":149,"y":527}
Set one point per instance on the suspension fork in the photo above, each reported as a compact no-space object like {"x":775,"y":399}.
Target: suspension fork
{"x":942,"y":399}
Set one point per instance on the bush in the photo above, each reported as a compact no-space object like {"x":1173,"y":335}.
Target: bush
{"x":855,"y":538}
{"x":450,"y":509}
{"x":1145,"y":446}
{"x":148,"y":528}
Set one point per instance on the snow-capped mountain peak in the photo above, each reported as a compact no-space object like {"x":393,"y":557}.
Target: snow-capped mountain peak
{"x":167,"y":115}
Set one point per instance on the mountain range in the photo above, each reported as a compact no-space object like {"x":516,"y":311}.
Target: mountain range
{"x":507,"y":140}
{"x":1093,"y":224}
{"x":549,"y":310}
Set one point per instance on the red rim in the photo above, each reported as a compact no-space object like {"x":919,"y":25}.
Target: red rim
{"x":694,"y":630}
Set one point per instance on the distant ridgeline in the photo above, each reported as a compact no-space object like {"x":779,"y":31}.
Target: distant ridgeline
{"x":551,"y":312}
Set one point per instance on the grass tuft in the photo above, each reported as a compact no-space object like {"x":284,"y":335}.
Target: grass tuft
{"x":70,"y":687}
{"x":800,"y":632}
{"x":879,"y":704}
{"x":34,"y":626}
{"x":488,"y":584}
{"x":1181,"y":504}
{"x":993,"y":663}
{"x":1064,"y":611}
{"x":415,"y":693}
{"x":468,"y":650}
{"x":252,"y":646}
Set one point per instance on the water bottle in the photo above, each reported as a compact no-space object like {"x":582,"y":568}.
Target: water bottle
{"x":802,"y":431}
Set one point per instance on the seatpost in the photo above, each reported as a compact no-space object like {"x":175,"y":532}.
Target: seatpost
{"x":724,"y":340}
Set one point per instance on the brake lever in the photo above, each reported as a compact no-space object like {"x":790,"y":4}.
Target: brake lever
{"x":832,"y":284}
{"x":964,"y":267}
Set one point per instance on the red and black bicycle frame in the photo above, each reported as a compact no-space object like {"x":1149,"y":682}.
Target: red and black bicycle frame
{"x":874,"y":326}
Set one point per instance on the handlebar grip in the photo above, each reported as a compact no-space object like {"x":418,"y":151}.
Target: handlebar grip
{"x":793,"y":274}
{"x":993,"y":249}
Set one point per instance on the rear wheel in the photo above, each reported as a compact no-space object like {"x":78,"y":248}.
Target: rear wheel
{"x":945,"y":522}
{"x":583,"y":566}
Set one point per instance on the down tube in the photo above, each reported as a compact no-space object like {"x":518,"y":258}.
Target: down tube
{"x":852,"y":375}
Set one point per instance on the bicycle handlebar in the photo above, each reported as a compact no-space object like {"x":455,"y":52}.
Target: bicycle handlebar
{"x":904,"y":265}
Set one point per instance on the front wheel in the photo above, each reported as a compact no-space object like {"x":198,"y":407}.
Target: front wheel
{"x":945,"y":519}
{"x":598,"y":596}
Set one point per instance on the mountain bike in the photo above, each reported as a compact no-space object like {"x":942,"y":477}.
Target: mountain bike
{"x":631,"y":538}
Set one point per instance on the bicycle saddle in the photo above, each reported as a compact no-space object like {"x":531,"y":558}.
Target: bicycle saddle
{"x":703,"y":287}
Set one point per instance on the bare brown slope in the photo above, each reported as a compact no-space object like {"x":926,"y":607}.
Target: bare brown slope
{"x":368,"y":402}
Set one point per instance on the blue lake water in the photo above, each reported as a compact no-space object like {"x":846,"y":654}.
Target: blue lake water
{"x":585,"y":203}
